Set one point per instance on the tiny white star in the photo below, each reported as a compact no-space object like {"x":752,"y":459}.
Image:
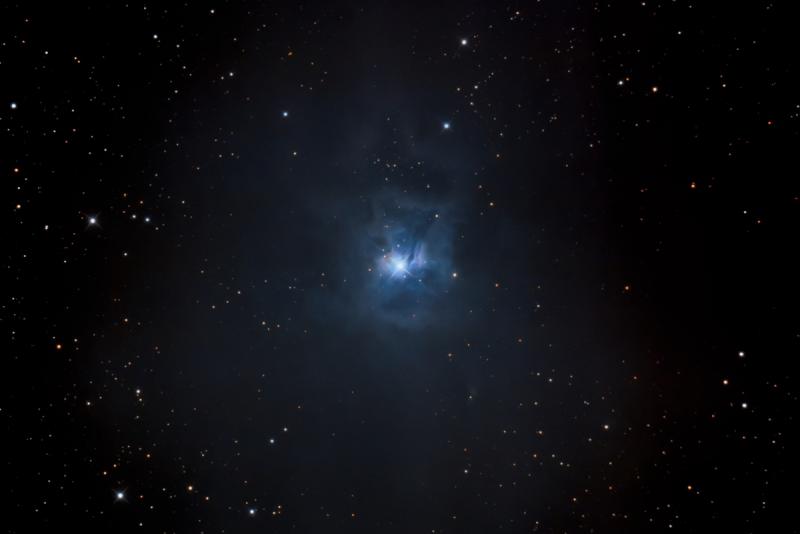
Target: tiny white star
{"x":92,"y":221}
{"x":446,"y":125}
{"x":744,"y":405}
{"x":13,"y":105}
{"x":464,"y":42}
{"x":252,"y":511}
{"x":284,"y":114}
{"x":272,"y":441}
{"x":120,"y":495}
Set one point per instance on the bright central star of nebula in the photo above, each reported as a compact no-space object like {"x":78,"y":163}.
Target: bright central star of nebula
{"x":408,"y":246}
{"x":400,"y":264}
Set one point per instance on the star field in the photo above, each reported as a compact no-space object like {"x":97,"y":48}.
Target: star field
{"x":385,"y":267}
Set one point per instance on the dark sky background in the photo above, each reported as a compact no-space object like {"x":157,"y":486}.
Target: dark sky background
{"x":441,"y":267}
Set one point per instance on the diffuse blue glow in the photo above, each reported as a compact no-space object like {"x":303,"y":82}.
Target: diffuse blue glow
{"x":400,"y":264}
{"x":407,"y":247}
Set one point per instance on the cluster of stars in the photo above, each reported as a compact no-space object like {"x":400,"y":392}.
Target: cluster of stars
{"x":448,"y":156}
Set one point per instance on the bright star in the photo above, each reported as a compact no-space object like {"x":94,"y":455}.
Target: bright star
{"x":252,"y":511}
{"x":464,"y":42}
{"x":13,"y":105}
{"x":405,"y":263}
{"x":92,"y":221}
{"x":398,"y":266}
{"x":446,"y":125}
{"x":120,"y":495}
{"x":285,"y":114}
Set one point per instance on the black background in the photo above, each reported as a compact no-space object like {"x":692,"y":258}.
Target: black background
{"x":616,"y":192}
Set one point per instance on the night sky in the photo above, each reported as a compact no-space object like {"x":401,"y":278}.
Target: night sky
{"x":398,"y":267}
